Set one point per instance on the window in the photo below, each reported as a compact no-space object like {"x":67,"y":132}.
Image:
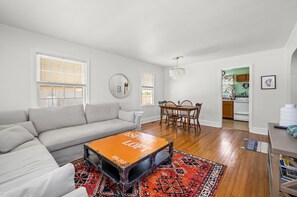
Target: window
{"x":147,"y":89}
{"x":60,"y":81}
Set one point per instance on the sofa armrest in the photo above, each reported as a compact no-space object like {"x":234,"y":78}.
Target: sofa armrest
{"x":56,"y":183}
{"x":138,"y":117}
{"x":79,"y":192}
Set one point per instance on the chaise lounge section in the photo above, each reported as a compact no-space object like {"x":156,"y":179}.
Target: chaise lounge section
{"x":58,"y":135}
{"x":27,"y":167}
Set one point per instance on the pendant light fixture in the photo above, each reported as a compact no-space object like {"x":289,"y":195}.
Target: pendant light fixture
{"x":176,"y":72}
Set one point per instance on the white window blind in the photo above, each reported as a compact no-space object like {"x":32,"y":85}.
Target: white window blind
{"x":147,"y":89}
{"x":60,"y":81}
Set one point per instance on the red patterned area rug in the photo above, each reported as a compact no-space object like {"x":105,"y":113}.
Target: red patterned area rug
{"x":187,"y":175}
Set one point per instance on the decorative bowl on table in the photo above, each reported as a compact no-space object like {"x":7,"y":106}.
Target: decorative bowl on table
{"x":292,"y":130}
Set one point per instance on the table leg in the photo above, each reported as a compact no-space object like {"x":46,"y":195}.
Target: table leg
{"x":86,"y":156}
{"x":276,"y":176}
{"x":86,"y":152}
{"x":170,"y":151}
{"x":188,"y":120}
{"x":124,"y":181}
{"x":161,"y":116}
{"x":153,"y":161}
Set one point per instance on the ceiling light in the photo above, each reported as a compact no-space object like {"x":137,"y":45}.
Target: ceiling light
{"x":176,"y":72}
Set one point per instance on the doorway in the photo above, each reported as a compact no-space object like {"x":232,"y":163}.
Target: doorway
{"x":235,"y":98}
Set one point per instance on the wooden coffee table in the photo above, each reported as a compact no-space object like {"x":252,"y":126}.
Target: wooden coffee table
{"x":127,"y":157}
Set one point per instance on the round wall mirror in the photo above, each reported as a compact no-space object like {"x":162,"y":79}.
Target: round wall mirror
{"x":119,"y":85}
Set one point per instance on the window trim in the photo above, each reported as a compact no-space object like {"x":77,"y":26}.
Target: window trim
{"x":152,"y":87}
{"x":39,"y":83}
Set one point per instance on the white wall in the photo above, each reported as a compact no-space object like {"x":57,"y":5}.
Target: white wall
{"x":17,"y":81}
{"x":202,"y":79}
{"x":294,"y":78}
{"x":291,"y":55}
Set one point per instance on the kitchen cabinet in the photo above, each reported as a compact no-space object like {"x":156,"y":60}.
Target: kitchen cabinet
{"x":228,"y":107}
{"x":243,"y":78}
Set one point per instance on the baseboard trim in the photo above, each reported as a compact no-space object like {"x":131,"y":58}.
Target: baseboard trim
{"x":202,"y":122}
{"x":150,"y":119}
{"x":258,"y":130}
{"x":209,"y":123}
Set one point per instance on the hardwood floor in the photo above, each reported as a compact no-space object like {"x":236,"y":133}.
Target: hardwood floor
{"x":246,"y":172}
{"x":233,"y":124}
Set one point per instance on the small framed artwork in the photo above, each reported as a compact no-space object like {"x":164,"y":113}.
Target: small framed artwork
{"x":268,"y":82}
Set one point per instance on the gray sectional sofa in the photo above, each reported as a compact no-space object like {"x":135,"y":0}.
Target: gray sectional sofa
{"x":36,"y":143}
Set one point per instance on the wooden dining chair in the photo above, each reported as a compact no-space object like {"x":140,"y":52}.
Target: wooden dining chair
{"x":195,"y":116}
{"x":172,"y":114}
{"x":163,"y":112}
{"x":184,"y":114}
{"x":186,"y":103}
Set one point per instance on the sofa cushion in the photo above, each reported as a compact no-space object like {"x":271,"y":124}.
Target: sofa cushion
{"x":127,"y":116}
{"x":46,"y":119}
{"x":11,"y":117}
{"x":55,"y":183}
{"x":12,"y":137}
{"x":101,"y":112}
{"x":71,"y":136}
{"x":28,"y":144}
{"x":27,"y":125}
{"x":20,"y":166}
{"x":79,"y":192}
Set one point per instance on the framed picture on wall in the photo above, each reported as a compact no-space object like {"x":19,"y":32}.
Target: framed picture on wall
{"x":268,"y":82}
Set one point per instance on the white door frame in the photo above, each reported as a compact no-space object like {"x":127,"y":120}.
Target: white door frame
{"x":220,"y":99}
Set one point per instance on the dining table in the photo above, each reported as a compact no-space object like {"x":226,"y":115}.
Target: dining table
{"x":188,"y":109}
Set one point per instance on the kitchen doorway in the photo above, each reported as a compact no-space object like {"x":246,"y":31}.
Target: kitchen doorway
{"x":235,"y":98}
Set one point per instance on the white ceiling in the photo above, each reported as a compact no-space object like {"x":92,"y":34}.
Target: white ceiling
{"x":154,"y":31}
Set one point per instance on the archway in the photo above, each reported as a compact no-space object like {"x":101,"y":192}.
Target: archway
{"x":294,"y":78}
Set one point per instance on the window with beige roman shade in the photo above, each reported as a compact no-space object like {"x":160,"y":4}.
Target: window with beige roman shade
{"x":60,"y":81}
{"x":147,"y":89}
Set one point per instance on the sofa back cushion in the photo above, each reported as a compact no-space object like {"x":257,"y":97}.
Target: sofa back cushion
{"x":46,"y":119}
{"x":127,"y":116}
{"x":12,"y":137}
{"x":27,"y":125}
{"x":11,"y":117}
{"x":101,"y":112}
